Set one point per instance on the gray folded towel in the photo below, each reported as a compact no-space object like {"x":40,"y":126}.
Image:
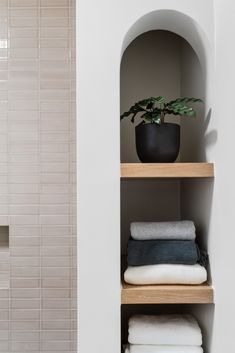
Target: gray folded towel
{"x":152,"y":252}
{"x":179,"y":230}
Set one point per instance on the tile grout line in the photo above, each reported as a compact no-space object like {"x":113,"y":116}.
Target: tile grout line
{"x":40,"y":177}
{"x":8,"y":171}
{"x":69,"y":161}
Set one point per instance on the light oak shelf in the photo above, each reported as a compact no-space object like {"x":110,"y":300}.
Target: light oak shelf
{"x":167,"y":170}
{"x":167,"y":294}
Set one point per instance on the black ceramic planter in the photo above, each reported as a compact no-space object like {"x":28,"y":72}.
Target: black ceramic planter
{"x":157,"y":143}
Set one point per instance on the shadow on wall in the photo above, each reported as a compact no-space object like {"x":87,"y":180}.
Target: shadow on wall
{"x":210,"y":137}
{"x":195,"y":132}
{"x":196,"y":204}
{"x":197,"y":137}
{"x":203,"y":313}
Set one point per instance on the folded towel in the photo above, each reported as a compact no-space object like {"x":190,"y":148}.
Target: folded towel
{"x":141,"y":348}
{"x":177,"y":330}
{"x":165,"y":274}
{"x":151,"y":252}
{"x":180,"y":230}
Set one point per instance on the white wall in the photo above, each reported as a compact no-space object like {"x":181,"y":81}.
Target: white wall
{"x":222,"y":222}
{"x":101,"y":28}
{"x":217,"y":216}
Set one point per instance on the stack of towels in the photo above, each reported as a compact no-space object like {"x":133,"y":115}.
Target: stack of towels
{"x":164,"y":253}
{"x":164,"y":334}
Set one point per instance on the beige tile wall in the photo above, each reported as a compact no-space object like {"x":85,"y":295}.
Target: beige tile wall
{"x":37,"y":175}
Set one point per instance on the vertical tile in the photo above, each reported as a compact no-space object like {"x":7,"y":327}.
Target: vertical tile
{"x":37,"y":176}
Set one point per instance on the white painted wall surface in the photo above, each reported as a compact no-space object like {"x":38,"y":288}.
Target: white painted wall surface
{"x":222,"y":222}
{"x":101,"y":28}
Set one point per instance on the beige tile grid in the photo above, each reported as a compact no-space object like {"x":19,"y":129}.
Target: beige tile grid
{"x":37,"y":174}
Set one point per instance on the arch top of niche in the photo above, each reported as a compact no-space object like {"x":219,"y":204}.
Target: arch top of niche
{"x":176,"y":22}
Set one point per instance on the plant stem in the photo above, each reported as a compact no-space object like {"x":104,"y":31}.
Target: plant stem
{"x":163,"y":113}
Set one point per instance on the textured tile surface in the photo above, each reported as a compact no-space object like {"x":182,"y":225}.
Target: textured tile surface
{"x":37,"y":176}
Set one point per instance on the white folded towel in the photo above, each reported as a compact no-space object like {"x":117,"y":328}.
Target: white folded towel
{"x":177,"y":330}
{"x":141,"y":348}
{"x":179,"y":230}
{"x":165,"y":274}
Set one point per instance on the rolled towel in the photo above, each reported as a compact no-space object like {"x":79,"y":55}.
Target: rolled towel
{"x":165,"y":274}
{"x":141,"y":348}
{"x":179,"y":230}
{"x":151,"y":252}
{"x":177,"y":330}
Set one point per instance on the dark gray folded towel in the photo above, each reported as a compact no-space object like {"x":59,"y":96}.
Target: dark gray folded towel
{"x":151,"y":252}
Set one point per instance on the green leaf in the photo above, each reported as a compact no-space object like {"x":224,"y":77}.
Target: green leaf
{"x":142,"y":107}
{"x":125,"y":114}
{"x":156,"y":120}
{"x":169,"y":111}
{"x":153,"y":113}
{"x":147,"y":117}
{"x":146,"y":101}
{"x":186,"y":100}
{"x":135,"y":109}
{"x":156,"y":111}
{"x":133,"y":117}
{"x":191,"y":113}
{"x":159,"y":99}
{"x":149,"y":106}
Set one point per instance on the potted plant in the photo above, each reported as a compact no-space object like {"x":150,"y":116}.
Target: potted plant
{"x":156,"y":140}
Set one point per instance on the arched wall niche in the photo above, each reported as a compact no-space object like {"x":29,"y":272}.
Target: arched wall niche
{"x":176,"y":22}
{"x":196,"y":66}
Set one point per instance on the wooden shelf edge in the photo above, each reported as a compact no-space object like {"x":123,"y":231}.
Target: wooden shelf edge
{"x":167,"y":294}
{"x":167,"y":170}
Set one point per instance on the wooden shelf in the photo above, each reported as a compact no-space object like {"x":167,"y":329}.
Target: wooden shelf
{"x":167,"y":170}
{"x":167,"y":294}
